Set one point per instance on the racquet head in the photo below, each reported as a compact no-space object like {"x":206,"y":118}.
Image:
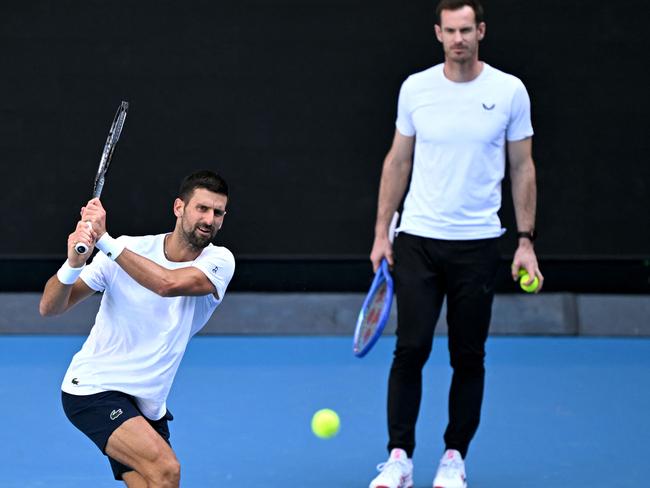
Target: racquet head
{"x":113,"y":136}
{"x":375,"y":312}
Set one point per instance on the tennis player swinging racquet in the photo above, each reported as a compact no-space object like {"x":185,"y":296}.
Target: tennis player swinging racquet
{"x":107,"y":154}
{"x":375,"y":311}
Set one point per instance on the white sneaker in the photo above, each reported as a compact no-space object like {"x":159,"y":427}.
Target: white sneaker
{"x":451,"y":471}
{"x":397,"y":472}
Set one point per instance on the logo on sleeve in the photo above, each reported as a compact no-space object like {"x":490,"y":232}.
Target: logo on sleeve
{"x":215,"y":269}
{"x":488,"y":107}
{"x":115,"y":413}
{"x":75,"y":381}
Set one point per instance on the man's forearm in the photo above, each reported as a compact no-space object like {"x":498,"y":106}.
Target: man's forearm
{"x":185,"y":281}
{"x":55,"y":297}
{"x":524,"y":195}
{"x":147,"y":273}
{"x":394,"y":180}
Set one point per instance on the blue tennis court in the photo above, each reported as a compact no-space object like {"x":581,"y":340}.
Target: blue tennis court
{"x":558,"y":412}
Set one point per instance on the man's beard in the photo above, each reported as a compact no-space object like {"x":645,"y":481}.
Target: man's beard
{"x":466,"y":56}
{"x":199,"y":241}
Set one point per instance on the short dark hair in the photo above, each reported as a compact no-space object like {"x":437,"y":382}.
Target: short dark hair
{"x":458,"y":4}
{"x":204,"y":178}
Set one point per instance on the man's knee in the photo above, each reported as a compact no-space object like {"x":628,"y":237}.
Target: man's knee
{"x":164,"y":472}
{"x":171,"y":472}
{"x":411,"y":356}
{"x":468,"y":364}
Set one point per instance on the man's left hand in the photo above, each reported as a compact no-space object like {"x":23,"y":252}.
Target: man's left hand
{"x":525,"y":258}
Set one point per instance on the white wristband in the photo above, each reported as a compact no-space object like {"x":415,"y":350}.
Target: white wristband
{"x":67,"y":274}
{"x":109,"y":246}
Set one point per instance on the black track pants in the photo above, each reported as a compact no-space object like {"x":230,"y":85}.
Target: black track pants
{"x":427,"y":270}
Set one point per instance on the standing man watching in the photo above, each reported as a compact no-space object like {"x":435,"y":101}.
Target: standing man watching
{"x":158,"y":292}
{"x":455,"y":124}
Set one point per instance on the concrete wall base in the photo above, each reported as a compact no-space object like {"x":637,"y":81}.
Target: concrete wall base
{"x":336,"y":314}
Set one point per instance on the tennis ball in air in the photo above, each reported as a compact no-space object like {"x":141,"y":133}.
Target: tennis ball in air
{"x":325,"y":423}
{"x":524,"y":277}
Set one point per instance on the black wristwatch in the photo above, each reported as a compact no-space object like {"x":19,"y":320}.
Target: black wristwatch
{"x":531,"y":235}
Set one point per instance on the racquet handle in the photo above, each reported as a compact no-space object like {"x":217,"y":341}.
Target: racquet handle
{"x":80,"y":247}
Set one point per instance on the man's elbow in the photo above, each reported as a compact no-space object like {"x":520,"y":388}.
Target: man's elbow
{"x":46,"y":310}
{"x":165,"y":292}
{"x":167,"y":288}
{"x":523,"y":169}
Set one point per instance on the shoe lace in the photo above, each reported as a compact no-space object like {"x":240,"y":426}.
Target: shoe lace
{"x":450,"y":468}
{"x":393,"y":469}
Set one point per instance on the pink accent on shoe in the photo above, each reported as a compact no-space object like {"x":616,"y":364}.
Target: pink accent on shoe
{"x":398,"y":453}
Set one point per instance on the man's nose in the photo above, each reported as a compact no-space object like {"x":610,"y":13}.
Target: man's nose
{"x":207,"y":218}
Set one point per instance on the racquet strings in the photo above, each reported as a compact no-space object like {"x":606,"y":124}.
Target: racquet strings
{"x":373,"y":314}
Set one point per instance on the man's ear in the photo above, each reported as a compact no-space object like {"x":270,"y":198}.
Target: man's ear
{"x":481,"y":31}
{"x":438,"y":32}
{"x":179,"y":207}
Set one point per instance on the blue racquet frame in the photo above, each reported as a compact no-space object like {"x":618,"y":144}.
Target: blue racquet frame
{"x":382,"y":275}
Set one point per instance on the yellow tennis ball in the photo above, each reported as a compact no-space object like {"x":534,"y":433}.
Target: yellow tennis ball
{"x":325,"y":423}
{"x":523,"y":279}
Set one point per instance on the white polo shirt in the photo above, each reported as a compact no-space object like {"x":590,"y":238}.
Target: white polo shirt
{"x":139,"y":337}
{"x":460,"y":133}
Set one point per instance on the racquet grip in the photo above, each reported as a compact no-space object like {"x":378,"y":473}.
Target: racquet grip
{"x":80,"y":247}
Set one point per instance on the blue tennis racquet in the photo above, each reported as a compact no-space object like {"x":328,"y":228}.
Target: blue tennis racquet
{"x":375,"y":311}
{"x":376,"y":307}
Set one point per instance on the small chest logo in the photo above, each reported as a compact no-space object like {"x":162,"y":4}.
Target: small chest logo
{"x":488,"y":107}
{"x":116,"y":413}
{"x":75,"y":381}
{"x":215,"y":269}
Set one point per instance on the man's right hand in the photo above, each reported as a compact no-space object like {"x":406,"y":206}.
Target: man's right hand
{"x":84,"y":234}
{"x":94,"y":213}
{"x":381,"y":248}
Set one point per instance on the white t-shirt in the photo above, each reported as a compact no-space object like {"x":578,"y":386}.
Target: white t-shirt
{"x":139,"y":337}
{"x":460,"y":133}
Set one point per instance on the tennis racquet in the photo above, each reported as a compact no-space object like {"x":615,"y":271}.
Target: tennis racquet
{"x":375,"y":311}
{"x":105,"y":160}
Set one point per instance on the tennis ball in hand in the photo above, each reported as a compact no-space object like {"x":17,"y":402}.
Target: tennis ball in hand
{"x":524,"y":277}
{"x":325,"y":423}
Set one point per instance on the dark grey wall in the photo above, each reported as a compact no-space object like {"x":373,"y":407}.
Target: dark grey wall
{"x":293,"y":102}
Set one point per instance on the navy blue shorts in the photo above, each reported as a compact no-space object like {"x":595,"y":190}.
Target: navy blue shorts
{"x":100,"y":414}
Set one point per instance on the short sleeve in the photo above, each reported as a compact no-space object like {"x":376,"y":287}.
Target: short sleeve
{"x":95,"y":275}
{"x":218,"y":264}
{"x":519,"y":126}
{"x":404,"y":122}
